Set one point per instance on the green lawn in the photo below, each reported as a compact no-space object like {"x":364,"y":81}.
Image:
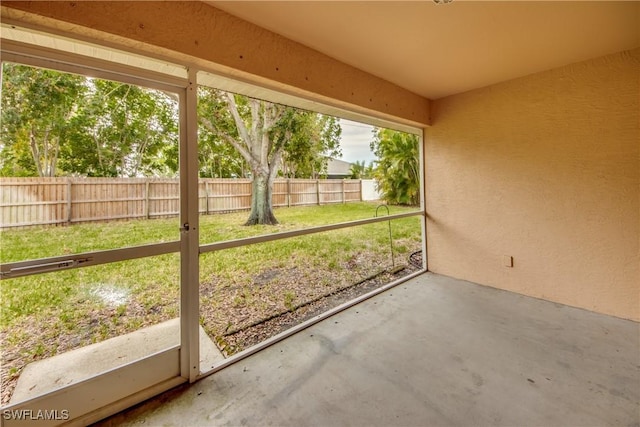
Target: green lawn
{"x":45,"y":314}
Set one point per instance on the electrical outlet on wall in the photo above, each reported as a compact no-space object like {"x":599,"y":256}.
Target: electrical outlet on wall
{"x":507,"y":261}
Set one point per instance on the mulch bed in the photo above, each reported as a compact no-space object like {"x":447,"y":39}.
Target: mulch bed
{"x":256,"y":333}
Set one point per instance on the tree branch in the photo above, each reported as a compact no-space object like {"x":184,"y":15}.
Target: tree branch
{"x":98,"y":151}
{"x":277,"y":112}
{"x":272,"y":114}
{"x":54,"y":158}
{"x":34,"y":151}
{"x":235,"y":144}
{"x":233,"y":109}
{"x":255,"y":116}
{"x":274,"y":165}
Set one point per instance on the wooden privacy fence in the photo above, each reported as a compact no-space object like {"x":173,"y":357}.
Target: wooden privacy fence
{"x":45,"y":201}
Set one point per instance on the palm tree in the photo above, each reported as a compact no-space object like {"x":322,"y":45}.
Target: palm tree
{"x":360,"y":170}
{"x":397,"y":167}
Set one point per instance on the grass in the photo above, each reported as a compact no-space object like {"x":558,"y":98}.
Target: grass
{"x":46,"y":314}
{"x":34,"y":294}
{"x":41,"y":242}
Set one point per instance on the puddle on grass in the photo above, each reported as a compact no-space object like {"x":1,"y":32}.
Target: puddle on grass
{"x":110,"y":295}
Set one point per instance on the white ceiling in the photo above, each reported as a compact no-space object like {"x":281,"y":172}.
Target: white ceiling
{"x":438,"y":50}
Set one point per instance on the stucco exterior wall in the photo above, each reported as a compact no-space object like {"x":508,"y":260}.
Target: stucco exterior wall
{"x":544,"y":169}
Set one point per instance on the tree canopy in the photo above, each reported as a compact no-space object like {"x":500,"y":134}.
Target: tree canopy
{"x":397,"y":169}
{"x":38,"y":106}
{"x":60,"y":124}
{"x":123,"y":130}
{"x":308,"y":152}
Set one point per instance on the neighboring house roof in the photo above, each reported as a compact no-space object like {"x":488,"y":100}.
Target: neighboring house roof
{"x":337,"y":167}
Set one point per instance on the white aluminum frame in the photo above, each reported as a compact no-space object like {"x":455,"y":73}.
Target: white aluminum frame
{"x":190,"y":217}
{"x":156,"y":372}
{"x":423,"y":200}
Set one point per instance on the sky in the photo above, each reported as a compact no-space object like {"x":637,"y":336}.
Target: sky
{"x":355,"y":140}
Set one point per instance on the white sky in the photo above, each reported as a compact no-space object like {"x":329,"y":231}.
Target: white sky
{"x":355,"y":140}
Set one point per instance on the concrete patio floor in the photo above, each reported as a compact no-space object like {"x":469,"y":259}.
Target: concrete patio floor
{"x":433,"y":351}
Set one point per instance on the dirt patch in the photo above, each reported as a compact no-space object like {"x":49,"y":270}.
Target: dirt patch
{"x":66,"y":332}
{"x":234,"y":341}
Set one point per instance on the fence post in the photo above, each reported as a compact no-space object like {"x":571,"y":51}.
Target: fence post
{"x":69,"y":200}
{"x":343,"y":194}
{"x":147,"y":214}
{"x":361,"y":195}
{"x":318,"y":191}
{"x":206,"y":195}
{"x":288,"y":193}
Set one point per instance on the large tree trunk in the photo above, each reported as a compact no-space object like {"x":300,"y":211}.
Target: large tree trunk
{"x":261,"y":204}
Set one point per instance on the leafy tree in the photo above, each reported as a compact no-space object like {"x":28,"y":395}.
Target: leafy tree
{"x":359,"y":170}
{"x":252,"y":128}
{"x":56,"y":123}
{"x":38,"y":107}
{"x":307,"y":154}
{"x":263,"y":133}
{"x":398,"y":165}
{"x":123,"y":131}
{"x":216,"y":157}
